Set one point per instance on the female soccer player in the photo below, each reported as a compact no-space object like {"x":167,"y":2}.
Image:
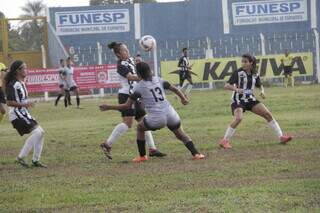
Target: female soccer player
{"x":128,"y":78}
{"x":150,"y":91}
{"x":242,"y":83}
{"x":22,"y":121}
{"x":3,"y":70}
{"x":185,"y":71}
{"x":62,"y":84}
{"x":71,"y":85}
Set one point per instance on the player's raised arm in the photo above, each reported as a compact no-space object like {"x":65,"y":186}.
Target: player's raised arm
{"x":175,"y":90}
{"x":127,"y":105}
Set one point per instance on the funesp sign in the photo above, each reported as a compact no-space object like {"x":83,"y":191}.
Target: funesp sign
{"x":271,"y":11}
{"x":92,"y":21}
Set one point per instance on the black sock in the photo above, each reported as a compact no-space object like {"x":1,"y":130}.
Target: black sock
{"x":69,"y":99}
{"x":141,"y":147}
{"x":78,"y":101}
{"x":57,"y":100}
{"x":65,"y":102}
{"x":191,"y":148}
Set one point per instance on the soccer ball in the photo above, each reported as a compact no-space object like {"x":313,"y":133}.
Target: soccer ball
{"x":147,"y":43}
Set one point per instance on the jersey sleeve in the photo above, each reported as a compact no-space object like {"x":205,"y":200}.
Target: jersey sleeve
{"x":258,"y":82}
{"x":233,"y":78}
{"x":123,"y":69}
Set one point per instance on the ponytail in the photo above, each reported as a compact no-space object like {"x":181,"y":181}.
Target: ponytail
{"x":12,"y":73}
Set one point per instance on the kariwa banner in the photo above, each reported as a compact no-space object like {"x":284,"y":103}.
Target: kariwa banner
{"x":86,"y":77}
{"x":269,"y":11}
{"x":217,"y":69}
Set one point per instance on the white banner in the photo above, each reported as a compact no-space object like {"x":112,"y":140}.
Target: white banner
{"x":92,"y":21}
{"x":271,"y":11}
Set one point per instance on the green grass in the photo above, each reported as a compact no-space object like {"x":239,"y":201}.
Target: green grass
{"x":258,"y":175}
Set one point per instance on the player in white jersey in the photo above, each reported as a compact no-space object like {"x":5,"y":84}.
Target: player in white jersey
{"x":62,"y":84}
{"x":22,"y":121}
{"x":127,"y":75}
{"x":70,"y":84}
{"x":150,"y":91}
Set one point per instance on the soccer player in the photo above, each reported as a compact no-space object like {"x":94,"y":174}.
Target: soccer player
{"x":62,"y":84}
{"x":3,"y":70}
{"x":185,"y":73}
{"x":242,"y":82}
{"x":128,"y":78}
{"x":160,"y":113}
{"x":70,"y":83}
{"x":22,"y":121}
{"x":287,"y":62}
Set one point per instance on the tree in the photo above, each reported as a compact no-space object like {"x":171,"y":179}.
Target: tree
{"x":106,"y":2}
{"x":33,"y":9}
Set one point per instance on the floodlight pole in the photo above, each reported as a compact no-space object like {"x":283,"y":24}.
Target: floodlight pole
{"x":316,"y":33}
{"x":155,"y":60}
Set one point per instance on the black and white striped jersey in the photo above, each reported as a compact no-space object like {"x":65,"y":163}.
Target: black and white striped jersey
{"x":183,"y":64}
{"x":124,"y":67}
{"x":16,"y":91}
{"x":242,"y":80}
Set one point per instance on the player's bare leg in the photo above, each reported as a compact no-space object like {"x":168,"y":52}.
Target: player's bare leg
{"x":141,"y":142}
{"x":2,"y":111}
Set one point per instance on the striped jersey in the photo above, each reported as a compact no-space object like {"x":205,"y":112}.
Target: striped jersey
{"x":242,"y":80}
{"x":16,"y":91}
{"x":123,"y":68}
{"x":183,"y":64}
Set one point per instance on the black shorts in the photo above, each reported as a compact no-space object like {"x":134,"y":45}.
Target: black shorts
{"x":244,"y":105}
{"x":24,"y":127}
{"x":2,"y":97}
{"x":287,"y":70}
{"x":184,"y":76}
{"x":138,"y":111}
{"x":61,"y":86}
{"x":73,"y":88}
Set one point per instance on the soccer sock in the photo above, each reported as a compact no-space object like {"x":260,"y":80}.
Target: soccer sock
{"x":38,"y":145}
{"x":229,"y":133}
{"x":189,"y":88}
{"x":57,"y":100}
{"x":119,"y":130}
{"x":141,"y":147}
{"x":191,"y":148}
{"x":31,"y":140}
{"x":149,"y":140}
{"x":275,"y":126}
{"x":78,"y":101}
{"x":285,"y":82}
{"x":65,"y":102}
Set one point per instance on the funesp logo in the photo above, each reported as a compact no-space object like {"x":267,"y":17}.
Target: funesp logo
{"x":259,"y":8}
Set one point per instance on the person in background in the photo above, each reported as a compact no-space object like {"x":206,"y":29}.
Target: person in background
{"x":138,"y":59}
{"x":62,"y":84}
{"x":287,"y":63}
{"x":3,"y":70}
{"x":185,"y":72}
{"x":70,"y":83}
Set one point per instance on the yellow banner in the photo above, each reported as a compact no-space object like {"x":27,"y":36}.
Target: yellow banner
{"x":218,"y":69}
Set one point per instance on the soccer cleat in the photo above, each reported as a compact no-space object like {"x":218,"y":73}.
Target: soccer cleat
{"x":224,"y":143}
{"x":156,"y":153}
{"x":38,"y":164}
{"x":198,"y":157}
{"x":106,"y":150}
{"x":140,"y":159}
{"x":22,"y":162}
{"x":285,"y":139}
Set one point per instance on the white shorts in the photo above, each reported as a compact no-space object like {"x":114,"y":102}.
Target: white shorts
{"x":155,"y":122}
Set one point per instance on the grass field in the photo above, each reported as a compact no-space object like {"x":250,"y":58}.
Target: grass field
{"x":258,"y":175}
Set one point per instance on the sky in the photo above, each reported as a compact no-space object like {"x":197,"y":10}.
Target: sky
{"x":12,"y":9}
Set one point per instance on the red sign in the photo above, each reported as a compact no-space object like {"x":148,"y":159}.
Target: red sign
{"x":86,"y":77}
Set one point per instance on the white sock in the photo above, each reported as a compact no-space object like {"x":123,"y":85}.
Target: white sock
{"x":149,"y":140}
{"x":38,"y":144}
{"x":229,"y":133}
{"x":189,"y":88}
{"x":119,"y":130}
{"x":275,"y":126}
{"x":31,"y":140}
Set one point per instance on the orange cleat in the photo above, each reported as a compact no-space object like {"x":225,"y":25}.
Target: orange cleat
{"x":198,"y":157}
{"x":285,"y":139}
{"x":140,"y":159}
{"x":224,"y":143}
